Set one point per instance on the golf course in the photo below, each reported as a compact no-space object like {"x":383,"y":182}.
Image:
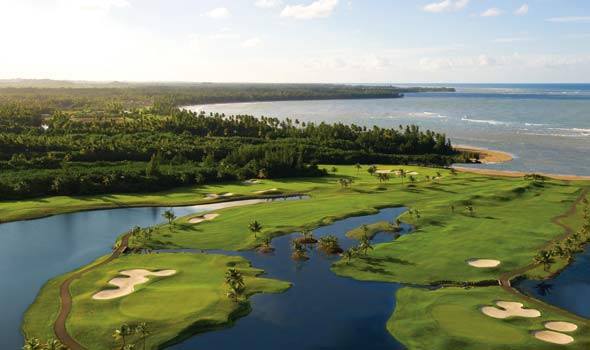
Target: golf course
{"x":459,"y":223}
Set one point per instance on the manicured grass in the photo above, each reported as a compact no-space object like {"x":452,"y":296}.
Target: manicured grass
{"x":511,"y":220}
{"x":449,"y":318}
{"x":192,"y":300}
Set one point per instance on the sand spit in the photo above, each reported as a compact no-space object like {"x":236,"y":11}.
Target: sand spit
{"x":483,"y":263}
{"x":509,"y":309}
{"x":561,"y":326}
{"x":206,"y":217}
{"x":126,"y":285}
{"x":487,"y":156}
{"x":553,"y":337}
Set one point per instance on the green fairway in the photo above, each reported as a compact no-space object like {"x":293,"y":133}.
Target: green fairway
{"x":192,"y":300}
{"x":458,"y":216}
{"x":449,"y":318}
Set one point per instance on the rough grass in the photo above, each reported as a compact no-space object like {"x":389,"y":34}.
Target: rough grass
{"x":194,"y":298}
{"x":449,"y":318}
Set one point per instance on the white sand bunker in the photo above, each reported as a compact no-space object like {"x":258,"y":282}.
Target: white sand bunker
{"x":384,"y":171}
{"x":561,"y":326}
{"x":266,"y":191}
{"x":553,"y":337}
{"x":252,"y":182}
{"x":509,"y":309}
{"x":412,"y":173}
{"x":214,"y":196}
{"x":483,"y":263}
{"x":206,"y":217}
{"x":127,"y":284}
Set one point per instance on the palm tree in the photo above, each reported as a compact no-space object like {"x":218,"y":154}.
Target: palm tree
{"x":299,"y":250}
{"x":358,"y":168}
{"x":365,"y":244}
{"x":329,"y":244}
{"x":371,"y":170}
{"x":412,"y":178}
{"x":143,"y":331}
{"x":544,"y":258}
{"x":402,"y":174}
{"x":32,"y":344}
{"x":349,"y":254}
{"x":169,"y":215}
{"x":255,"y":227}
{"x":383,"y":177}
{"x":121,"y":333}
{"x":54,"y":344}
{"x":235,"y":281}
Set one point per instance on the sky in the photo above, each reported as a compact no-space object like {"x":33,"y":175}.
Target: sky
{"x":300,"y":41}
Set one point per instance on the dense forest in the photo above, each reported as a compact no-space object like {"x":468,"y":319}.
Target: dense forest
{"x":148,"y":149}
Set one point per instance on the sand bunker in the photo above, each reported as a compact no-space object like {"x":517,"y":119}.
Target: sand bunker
{"x":483,"y":263}
{"x":509,"y":309}
{"x":266,"y":191}
{"x":206,"y":217}
{"x":391,"y":171}
{"x":214,"y":196}
{"x":561,"y":326}
{"x":412,"y":173}
{"x":127,"y":284}
{"x":553,"y":337}
{"x":251,"y":182}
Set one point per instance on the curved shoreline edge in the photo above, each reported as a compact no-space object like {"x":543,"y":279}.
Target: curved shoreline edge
{"x":508,"y":173}
{"x":487,"y":156}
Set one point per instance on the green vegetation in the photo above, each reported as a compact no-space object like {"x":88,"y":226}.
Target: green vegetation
{"x":82,"y":141}
{"x":449,"y":318}
{"x":510,"y":220}
{"x":372,"y":230}
{"x":192,"y":300}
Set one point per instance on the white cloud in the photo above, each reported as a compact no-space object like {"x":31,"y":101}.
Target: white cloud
{"x":493,"y":12}
{"x":252,"y":42}
{"x":267,"y":3}
{"x":570,"y":19}
{"x":513,"y":39}
{"x":218,"y":13}
{"x":446,"y":5}
{"x":521,"y":11}
{"x":317,"y":9}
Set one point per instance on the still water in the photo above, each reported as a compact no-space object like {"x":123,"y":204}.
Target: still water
{"x":35,"y":251}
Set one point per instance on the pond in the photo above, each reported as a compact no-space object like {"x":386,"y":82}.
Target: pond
{"x":321,"y":310}
{"x":34,"y":251}
{"x":569,"y":290}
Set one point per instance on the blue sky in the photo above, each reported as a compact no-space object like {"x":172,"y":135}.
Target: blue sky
{"x":358,"y":41}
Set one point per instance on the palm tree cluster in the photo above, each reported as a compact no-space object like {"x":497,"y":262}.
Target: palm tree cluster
{"x":36,"y":344}
{"x":372,"y":170}
{"x":364,"y":243}
{"x":345,"y":183}
{"x":383,"y":177}
{"x":329,"y":244}
{"x":265,"y":247}
{"x":235,"y":281}
{"x":140,"y":239}
{"x":306,"y":237}
{"x":545,"y":258}
{"x":299,"y":251}
{"x":140,"y":330}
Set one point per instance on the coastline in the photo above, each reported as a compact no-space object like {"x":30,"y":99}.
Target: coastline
{"x":521,"y":174}
{"x":487,"y":156}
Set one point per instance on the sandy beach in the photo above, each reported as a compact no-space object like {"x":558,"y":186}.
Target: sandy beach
{"x":487,"y":156}
{"x":521,"y":174}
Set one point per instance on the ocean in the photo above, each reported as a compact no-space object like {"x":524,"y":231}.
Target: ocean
{"x":546,"y":127}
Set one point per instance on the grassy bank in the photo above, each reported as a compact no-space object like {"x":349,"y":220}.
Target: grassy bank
{"x":194,"y":298}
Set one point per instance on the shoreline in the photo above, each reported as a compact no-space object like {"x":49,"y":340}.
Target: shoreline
{"x":509,"y":173}
{"x":487,"y":156}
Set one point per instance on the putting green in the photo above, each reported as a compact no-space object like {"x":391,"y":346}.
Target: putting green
{"x":449,"y":318}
